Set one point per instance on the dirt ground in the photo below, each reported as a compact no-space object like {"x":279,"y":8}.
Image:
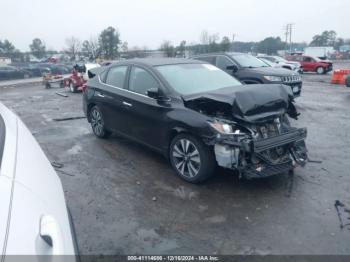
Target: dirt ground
{"x":125,"y":199}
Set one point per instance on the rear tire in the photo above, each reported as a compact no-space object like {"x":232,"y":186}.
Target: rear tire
{"x":97,"y":123}
{"x":320,"y":70}
{"x":191,"y":159}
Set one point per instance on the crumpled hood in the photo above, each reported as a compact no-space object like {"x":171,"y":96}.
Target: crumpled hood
{"x":250,"y":103}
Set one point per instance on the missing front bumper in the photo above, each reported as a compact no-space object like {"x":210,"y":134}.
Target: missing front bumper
{"x":239,"y":153}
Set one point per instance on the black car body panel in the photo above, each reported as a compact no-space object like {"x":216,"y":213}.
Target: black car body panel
{"x":255,"y":75}
{"x":257,"y":114}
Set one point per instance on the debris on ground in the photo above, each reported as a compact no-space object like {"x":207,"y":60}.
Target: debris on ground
{"x":314,"y":161}
{"x":290,"y":183}
{"x":64,"y":173}
{"x":341,"y":210}
{"x":61,"y":94}
{"x":154,"y":199}
{"x":56,"y":164}
{"x":68,"y":118}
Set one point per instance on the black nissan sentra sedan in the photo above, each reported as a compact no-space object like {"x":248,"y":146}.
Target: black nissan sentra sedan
{"x":198,"y":116}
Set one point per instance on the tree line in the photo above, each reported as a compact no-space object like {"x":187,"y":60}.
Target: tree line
{"x":108,"y":45}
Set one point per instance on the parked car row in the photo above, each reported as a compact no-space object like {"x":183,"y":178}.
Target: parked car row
{"x":11,"y":72}
{"x":25,"y":70}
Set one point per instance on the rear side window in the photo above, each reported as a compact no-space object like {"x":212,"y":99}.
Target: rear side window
{"x":141,"y":80}
{"x":116,"y":76}
{"x":103,"y":76}
{"x":308,"y":59}
{"x":2,"y":137}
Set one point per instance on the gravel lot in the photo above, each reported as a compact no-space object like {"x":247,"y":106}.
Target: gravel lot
{"x":125,"y":199}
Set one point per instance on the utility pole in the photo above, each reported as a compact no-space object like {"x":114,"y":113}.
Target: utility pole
{"x":290,"y":37}
{"x":288,"y":34}
{"x":233,"y":39}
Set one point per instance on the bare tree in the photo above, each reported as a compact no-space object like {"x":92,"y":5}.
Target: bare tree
{"x":124,"y":47}
{"x":204,"y":38}
{"x":73,"y":47}
{"x":91,"y":48}
{"x":168,"y":48}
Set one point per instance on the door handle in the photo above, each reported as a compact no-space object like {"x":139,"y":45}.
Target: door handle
{"x":127,"y":104}
{"x":100,"y":95}
{"x":50,"y":232}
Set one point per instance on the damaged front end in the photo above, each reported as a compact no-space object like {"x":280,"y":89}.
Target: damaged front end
{"x":253,"y":136}
{"x":261,"y":150}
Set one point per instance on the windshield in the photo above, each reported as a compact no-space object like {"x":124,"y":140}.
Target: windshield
{"x":189,"y":79}
{"x":267,"y":61}
{"x":248,"y":61}
{"x":316,"y":59}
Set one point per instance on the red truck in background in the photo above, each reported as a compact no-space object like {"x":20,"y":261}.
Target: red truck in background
{"x":312,"y":64}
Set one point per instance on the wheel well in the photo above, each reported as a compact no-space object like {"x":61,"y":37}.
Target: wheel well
{"x":251,"y":81}
{"x":287,"y":67}
{"x":174,"y":132}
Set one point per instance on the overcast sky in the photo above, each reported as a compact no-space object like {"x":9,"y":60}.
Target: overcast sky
{"x":149,"y":22}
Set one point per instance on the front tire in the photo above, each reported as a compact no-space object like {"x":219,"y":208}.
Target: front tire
{"x":97,"y":123}
{"x":191,"y":159}
{"x":320,"y":70}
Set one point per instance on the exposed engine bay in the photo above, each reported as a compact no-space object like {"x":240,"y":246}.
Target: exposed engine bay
{"x":258,"y":140}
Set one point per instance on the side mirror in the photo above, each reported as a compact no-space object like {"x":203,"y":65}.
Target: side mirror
{"x":154,"y":93}
{"x":234,"y":68}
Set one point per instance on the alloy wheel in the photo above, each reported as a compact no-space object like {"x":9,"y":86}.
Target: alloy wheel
{"x":186,"y":158}
{"x":97,"y":122}
{"x":320,"y":70}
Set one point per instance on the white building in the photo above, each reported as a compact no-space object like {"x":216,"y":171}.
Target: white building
{"x":5,"y":60}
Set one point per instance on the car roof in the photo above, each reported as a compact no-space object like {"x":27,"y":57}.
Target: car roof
{"x":158,"y":61}
{"x":221,"y":53}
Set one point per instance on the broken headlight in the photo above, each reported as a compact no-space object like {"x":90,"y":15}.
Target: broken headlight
{"x":222,"y":128}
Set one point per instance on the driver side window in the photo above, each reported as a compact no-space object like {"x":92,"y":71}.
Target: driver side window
{"x":307,"y":59}
{"x":141,"y":80}
{"x":223,"y":62}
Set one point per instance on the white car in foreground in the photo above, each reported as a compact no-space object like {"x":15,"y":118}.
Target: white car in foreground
{"x":33,"y":215}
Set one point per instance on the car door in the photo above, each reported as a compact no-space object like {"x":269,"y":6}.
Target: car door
{"x":146,"y":116}
{"x":109,"y":97}
{"x":2,"y":73}
{"x":5,"y":186}
{"x":308,"y":63}
{"x":6,"y":73}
